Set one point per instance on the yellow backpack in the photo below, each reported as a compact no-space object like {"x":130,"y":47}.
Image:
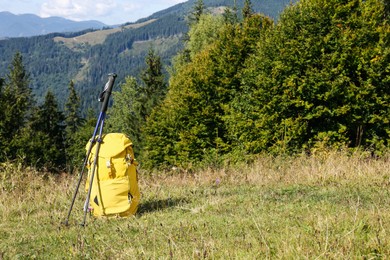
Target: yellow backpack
{"x":115,"y":189}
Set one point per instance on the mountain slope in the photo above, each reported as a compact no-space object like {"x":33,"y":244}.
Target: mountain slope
{"x":86,"y":57}
{"x":26,"y":25}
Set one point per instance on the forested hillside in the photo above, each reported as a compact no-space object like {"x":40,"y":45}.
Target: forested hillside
{"x":52,"y":65}
{"x":242,"y":84}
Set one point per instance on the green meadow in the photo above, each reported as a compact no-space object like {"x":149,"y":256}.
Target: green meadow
{"x":328,"y":206}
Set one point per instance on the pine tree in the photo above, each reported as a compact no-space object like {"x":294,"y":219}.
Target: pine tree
{"x":135,"y":102}
{"x":231,"y":15}
{"x":318,"y":80}
{"x":154,"y":88}
{"x":247,"y":11}
{"x":77,"y":142}
{"x":125,"y":115}
{"x":198,"y":10}
{"x":17,"y":101}
{"x":49,"y":121}
{"x":204,"y":33}
{"x":184,"y":56}
{"x":73,"y":117}
{"x":40,"y":143}
{"x":189,"y":126}
{"x":74,"y":122}
{"x":18,"y":92}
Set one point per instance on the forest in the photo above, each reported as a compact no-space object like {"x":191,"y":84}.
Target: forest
{"x":52,"y":65}
{"x":242,"y":85}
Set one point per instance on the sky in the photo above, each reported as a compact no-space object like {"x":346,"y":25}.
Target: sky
{"x":110,"y":12}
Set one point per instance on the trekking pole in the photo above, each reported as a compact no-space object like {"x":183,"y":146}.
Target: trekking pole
{"x":103,"y":97}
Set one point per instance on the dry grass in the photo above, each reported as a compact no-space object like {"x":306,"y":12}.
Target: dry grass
{"x":96,"y":37}
{"x":334,"y":166}
{"x":331,"y":206}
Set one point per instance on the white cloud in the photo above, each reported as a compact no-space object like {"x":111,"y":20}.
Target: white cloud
{"x":131,"y":7}
{"x":147,"y":5}
{"x":143,"y":7}
{"x":77,"y":9}
{"x":20,"y":6}
{"x":108,"y":11}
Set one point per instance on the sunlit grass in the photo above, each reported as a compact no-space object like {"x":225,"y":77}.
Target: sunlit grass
{"x":331,"y":206}
{"x":96,"y":37}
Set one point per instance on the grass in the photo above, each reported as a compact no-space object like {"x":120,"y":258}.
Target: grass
{"x":332,"y":206}
{"x":96,"y":37}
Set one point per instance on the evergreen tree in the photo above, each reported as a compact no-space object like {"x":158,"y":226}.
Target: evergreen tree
{"x":134,"y":103}
{"x":126,"y":114}
{"x":49,"y":120}
{"x":17,"y":101}
{"x":76,"y":148}
{"x":317,"y":80}
{"x":41,"y":142}
{"x":204,"y":33}
{"x":73,"y":117}
{"x":73,"y":122}
{"x":198,"y":10}
{"x":231,"y":15}
{"x":18,"y":91}
{"x":79,"y":140}
{"x":184,"y":56}
{"x":247,"y":10}
{"x":189,"y":126}
{"x":154,"y":88}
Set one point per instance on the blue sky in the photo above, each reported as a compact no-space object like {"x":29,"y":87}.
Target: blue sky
{"x":109,"y":12}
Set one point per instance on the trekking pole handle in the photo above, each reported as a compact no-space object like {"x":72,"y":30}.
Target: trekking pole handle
{"x":105,"y":95}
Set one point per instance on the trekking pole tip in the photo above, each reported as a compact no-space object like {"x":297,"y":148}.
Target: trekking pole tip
{"x":83,"y":224}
